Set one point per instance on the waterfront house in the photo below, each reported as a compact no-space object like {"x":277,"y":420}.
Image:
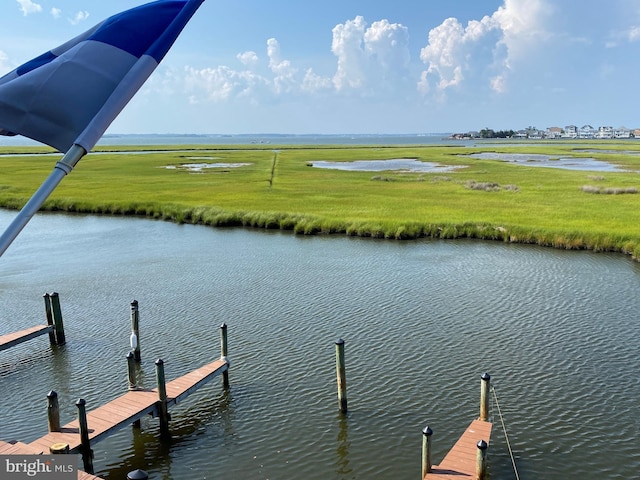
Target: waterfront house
{"x":570,"y":131}
{"x":604,"y":132}
{"x":586,"y":131}
{"x":622,"y":132}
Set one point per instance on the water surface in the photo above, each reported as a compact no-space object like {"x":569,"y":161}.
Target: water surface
{"x":422,"y":320}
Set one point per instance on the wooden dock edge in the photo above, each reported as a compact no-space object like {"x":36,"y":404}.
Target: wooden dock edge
{"x":12,"y":339}
{"x":460,"y":461}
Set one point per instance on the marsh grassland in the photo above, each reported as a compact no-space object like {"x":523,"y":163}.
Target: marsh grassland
{"x":278,"y":187}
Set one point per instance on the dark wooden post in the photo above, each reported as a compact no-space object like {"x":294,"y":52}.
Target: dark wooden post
{"x":341,"y":376}
{"x":163,"y":411}
{"x":53,"y":411}
{"x":426,"y":450}
{"x":135,"y":330}
{"x":58,"y":326}
{"x":223,"y":354}
{"x":49,"y":316}
{"x":481,"y":460}
{"x":87,"y":453}
{"x":131,"y":371}
{"x":484,"y":396}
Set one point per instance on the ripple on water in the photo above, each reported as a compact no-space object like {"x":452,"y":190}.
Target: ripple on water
{"x":421,"y":321}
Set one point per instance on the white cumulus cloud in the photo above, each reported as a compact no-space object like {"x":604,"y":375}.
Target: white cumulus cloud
{"x":55,"y":12}
{"x":248,"y":58}
{"x":27,"y":7}
{"x":455,"y":51}
{"x":79,"y":17}
{"x":369,"y":57}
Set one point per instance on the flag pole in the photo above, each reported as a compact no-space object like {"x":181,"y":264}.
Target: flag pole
{"x":62,"y":168}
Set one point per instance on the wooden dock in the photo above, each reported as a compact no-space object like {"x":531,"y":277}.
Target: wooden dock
{"x":460,"y":462}
{"x":19,"y":448}
{"x":11,"y":339}
{"x":128,"y":408}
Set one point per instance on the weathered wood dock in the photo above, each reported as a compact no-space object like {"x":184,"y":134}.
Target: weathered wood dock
{"x":461,"y":460}
{"x":54,"y":326}
{"x":467,"y":458}
{"x":19,"y":448}
{"x":11,"y":339}
{"x":128,"y":408}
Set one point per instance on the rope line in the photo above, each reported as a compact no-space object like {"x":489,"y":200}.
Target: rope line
{"x":504,"y":428}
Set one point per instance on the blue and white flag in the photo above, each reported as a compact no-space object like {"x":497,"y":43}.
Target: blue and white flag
{"x":71,"y":94}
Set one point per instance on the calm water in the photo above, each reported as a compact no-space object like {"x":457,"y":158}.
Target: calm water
{"x":422,"y":320}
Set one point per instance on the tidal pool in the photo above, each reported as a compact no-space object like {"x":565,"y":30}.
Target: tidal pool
{"x":198,"y":167}
{"x":540,"y":160}
{"x":396,"y":164}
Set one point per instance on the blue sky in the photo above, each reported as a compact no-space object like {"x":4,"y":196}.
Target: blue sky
{"x":368,"y":66}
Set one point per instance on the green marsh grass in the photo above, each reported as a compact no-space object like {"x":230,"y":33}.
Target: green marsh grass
{"x":280,"y":190}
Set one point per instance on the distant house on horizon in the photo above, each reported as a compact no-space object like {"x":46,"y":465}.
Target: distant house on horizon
{"x":586,"y":131}
{"x":554,"y":132}
{"x":570,"y":131}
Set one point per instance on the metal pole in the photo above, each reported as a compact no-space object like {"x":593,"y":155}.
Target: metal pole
{"x":61,"y":169}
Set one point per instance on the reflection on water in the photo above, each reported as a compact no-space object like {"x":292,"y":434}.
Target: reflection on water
{"x":343,"y":469}
{"x":422,"y":320}
{"x":401,"y":164}
{"x":540,"y":160}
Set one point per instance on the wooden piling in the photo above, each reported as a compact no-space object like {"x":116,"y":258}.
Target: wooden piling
{"x":484,"y":396}
{"x":87,"y":453}
{"x":131,"y":371}
{"x":49,"y":317}
{"x":135,"y":331}
{"x":58,"y":448}
{"x":53,"y":411}
{"x":163,"y":411}
{"x":426,"y":450}
{"x":223,"y":353}
{"x":481,"y":460}
{"x":58,"y":326}
{"x":341,"y":376}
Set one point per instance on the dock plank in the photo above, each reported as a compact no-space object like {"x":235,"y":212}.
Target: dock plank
{"x":11,"y":339}
{"x":460,"y":461}
{"x":129,"y":407}
{"x":19,"y":448}
{"x":183,"y":386}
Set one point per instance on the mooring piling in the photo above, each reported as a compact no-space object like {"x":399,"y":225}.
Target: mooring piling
{"x":87,"y":453}
{"x":426,"y":450}
{"x":134,"y":339}
{"x":223,"y":353}
{"x":53,"y":314}
{"x":53,"y":411}
{"x":481,"y":460}
{"x":49,"y":316}
{"x":341,"y":376}
{"x":163,"y":411}
{"x":59,"y":448}
{"x":131,"y":371}
{"x":485,"y":380}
